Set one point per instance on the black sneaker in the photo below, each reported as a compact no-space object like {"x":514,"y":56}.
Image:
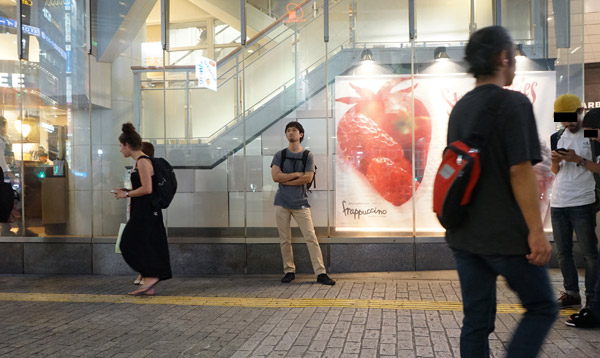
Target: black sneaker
{"x":583,"y":319}
{"x":324,"y":279}
{"x":588,"y":300}
{"x":289,"y":277}
{"x":569,"y":301}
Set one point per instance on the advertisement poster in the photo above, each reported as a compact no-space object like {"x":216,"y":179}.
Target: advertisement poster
{"x":373,"y":170}
{"x":206,"y":73}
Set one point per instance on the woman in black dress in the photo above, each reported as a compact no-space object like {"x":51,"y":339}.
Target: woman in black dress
{"x":144,"y":240}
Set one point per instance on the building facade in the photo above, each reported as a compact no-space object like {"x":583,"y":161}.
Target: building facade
{"x":86,"y":67}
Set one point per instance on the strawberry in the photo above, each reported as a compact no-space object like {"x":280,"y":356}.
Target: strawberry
{"x":391,"y":111}
{"x":376,"y":155}
{"x":360,"y":139}
{"x":391,"y":179}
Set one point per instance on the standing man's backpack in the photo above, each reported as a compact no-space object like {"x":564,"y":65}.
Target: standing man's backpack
{"x":304,"y":160}
{"x":595,"y":147}
{"x":459,"y":171}
{"x":164,"y":184}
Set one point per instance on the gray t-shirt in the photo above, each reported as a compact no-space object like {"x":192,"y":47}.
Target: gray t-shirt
{"x":293,"y":196}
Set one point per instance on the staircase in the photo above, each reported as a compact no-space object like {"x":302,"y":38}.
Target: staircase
{"x":270,"y":104}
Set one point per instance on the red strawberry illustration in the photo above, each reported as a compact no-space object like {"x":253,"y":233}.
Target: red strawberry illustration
{"x":391,"y":179}
{"x":392,"y":113}
{"x":361,"y":139}
{"x":375,"y":136}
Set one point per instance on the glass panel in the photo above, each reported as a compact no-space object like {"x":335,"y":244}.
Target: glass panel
{"x":186,"y":58}
{"x":225,"y":34}
{"x":192,"y":36}
{"x":484,"y":15}
{"x":378,"y":22}
{"x":42,"y":155}
{"x":453,"y":27}
{"x":194,"y":118}
{"x":516,"y":17}
{"x":12,"y":85}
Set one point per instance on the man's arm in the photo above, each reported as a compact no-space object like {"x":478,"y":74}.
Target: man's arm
{"x":281,"y":177}
{"x":302,"y":180}
{"x":571,"y":156}
{"x":524,"y":187}
{"x":556,"y":159}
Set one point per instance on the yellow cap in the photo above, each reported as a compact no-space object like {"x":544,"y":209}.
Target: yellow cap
{"x":567,"y":103}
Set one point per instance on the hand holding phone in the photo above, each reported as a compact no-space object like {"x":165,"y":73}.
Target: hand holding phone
{"x":562,"y":150}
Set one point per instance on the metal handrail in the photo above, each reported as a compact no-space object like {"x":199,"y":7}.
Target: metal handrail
{"x":260,"y":35}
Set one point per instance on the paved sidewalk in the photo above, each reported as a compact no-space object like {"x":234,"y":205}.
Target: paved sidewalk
{"x":404,"y":314}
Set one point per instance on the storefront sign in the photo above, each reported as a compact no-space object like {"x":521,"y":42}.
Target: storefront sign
{"x":206,"y":73}
{"x":54,"y":3}
{"x":68,"y":59}
{"x":152,"y":54}
{"x":373,"y":172}
{"x":15,"y":80}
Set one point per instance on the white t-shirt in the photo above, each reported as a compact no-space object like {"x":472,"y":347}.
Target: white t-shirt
{"x":573,"y":185}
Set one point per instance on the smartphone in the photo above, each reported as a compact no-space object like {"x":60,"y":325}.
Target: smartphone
{"x":562,"y":150}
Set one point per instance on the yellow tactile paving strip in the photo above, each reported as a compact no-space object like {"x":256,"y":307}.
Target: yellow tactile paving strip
{"x":254,"y":302}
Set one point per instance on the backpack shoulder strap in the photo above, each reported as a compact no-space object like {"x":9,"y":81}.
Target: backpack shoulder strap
{"x":483,"y":127}
{"x":305,"y":158}
{"x":595,"y":150}
{"x":555,"y":137}
{"x":283,"y":157}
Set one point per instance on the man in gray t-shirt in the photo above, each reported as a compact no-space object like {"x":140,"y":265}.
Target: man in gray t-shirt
{"x":291,"y":200}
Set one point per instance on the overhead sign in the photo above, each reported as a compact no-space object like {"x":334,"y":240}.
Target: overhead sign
{"x":206,"y":73}
{"x":295,"y":13}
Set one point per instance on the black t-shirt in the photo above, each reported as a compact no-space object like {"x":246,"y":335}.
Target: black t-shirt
{"x":495,"y":224}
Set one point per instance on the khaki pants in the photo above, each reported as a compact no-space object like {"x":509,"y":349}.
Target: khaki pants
{"x":304,"y":221}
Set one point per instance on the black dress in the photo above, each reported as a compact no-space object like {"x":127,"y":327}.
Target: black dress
{"x":144,"y":240}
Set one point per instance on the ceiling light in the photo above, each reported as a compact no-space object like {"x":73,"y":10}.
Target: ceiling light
{"x":439,"y":54}
{"x":366,"y":55}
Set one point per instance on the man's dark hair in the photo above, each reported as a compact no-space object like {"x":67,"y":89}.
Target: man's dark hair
{"x":592,"y":119}
{"x":484,"y":48}
{"x":148,"y":148}
{"x":296,"y":125}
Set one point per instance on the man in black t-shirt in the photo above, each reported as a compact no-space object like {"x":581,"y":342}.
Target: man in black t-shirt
{"x":502,"y":233}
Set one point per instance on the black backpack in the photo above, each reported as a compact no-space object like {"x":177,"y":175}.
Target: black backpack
{"x":304,"y":160}
{"x":595,"y":146}
{"x":164,"y":183}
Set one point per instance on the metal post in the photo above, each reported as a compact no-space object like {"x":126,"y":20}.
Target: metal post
{"x":412,"y":34}
{"x":411,"y":19}
{"x":473,"y":23}
{"x":498,"y":13}
{"x":326,"y":21}
{"x":20,"y":29}
{"x":164,"y":25}
{"x":243,"y":22}
{"x":88,"y":26}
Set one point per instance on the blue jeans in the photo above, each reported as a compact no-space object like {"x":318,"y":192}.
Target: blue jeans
{"x":478,"y":274}
{"x":582,"y":219}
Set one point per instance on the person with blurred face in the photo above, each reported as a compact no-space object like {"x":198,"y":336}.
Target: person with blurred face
{"x":573,"y":201}
{"x":589,"y":316}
